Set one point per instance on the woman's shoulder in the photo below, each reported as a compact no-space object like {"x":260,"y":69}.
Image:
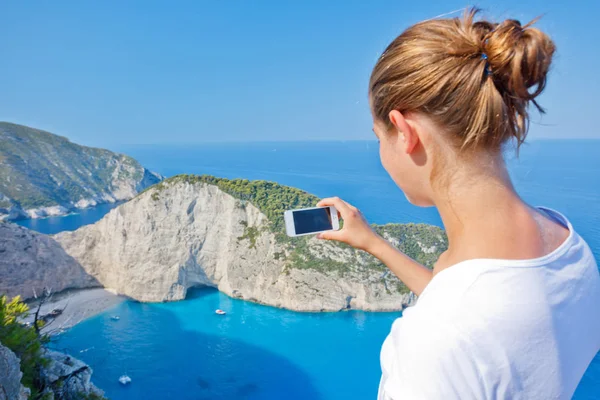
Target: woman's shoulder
{"x":421,"y":345}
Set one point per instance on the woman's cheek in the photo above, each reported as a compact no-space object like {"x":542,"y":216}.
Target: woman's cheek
{"x":384,"y":157}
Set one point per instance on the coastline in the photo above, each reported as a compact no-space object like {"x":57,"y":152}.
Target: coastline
{"x":18,"y":214}
{"x":77,"y":305}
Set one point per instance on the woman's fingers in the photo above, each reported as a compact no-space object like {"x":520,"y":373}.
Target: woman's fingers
{"x":340,"y":205}
{"x":356,"y":231}
{"x":330,"y":235}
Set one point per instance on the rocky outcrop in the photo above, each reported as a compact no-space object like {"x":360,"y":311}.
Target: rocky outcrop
{"x":42,"y":174}
{"x":185,"y":233}
{"x":64,"y":377}
{"x":10,"y":377}
{"x":67,"y":377}
{"x":30,"y":262}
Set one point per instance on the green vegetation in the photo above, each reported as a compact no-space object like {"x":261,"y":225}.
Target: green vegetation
{"x":251,"y":233}
{"x":23,"y":341}
{"x":28,"y":344}
{"x":301,"y":258}
{"x":39,"y":169}
{"x":424,"y":243}
{"x":421,"y":242}
{"x":271,"y":198}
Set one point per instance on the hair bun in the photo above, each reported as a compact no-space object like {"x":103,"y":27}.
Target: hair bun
{"x":519,"y":58}
{"x":473,"y":77}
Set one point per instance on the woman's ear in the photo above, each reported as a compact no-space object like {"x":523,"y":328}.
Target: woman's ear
{"x":407,"y":135}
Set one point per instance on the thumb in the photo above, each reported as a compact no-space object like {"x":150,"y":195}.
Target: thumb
{"x":330,"y":235}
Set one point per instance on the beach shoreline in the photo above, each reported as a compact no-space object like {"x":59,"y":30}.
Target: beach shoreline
{"x":76,"y":305}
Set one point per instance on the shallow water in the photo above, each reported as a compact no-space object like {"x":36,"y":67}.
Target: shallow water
{"x":184,"y":350}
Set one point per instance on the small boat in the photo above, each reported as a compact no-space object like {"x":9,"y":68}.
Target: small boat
{"x":220,"y":312}
{"x":56,"y":312}
{"x":115,"y":318}
{"x":124,"y":379}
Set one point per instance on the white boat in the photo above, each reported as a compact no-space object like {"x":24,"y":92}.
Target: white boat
{"x":124,"y":379}
{"x":220,"y":312}
{"x":115,"y":318}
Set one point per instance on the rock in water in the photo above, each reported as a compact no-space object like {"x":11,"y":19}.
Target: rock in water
{"x":196,"y":230}
{"x":42,"y":174}
{"x":32,"y":261}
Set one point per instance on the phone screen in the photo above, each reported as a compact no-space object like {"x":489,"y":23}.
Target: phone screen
{"x":315,"y":220}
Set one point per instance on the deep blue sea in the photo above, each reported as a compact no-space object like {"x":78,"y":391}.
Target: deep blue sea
{"x":184,"y":351}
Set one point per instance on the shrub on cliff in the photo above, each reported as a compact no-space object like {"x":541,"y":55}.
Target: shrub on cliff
{"x":271,"y":198}
{"x":23,"y":341}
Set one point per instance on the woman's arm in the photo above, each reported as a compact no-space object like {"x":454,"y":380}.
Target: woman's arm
{"x":414,"y":275}
{"x":357,"y":233}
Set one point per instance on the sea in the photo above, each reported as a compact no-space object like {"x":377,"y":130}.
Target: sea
{"x":183,"y":350}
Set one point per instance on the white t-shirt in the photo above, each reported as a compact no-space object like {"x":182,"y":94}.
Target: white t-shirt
{"x":499,"y":329}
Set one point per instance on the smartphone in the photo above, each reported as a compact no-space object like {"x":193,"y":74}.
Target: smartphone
{"x":308,"y":221}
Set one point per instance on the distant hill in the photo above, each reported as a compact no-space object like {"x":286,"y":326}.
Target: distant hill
{"x":44,"y":174}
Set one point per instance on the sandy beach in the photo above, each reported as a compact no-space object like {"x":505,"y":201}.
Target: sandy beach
{"x":77,"y":305}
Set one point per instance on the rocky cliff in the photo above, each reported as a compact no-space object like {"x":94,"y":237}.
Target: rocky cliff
{"x":10,"y":376}
{"x":63,"y":377}
{"x":66,"y":377}
{"x":191,"y":231}
{"x":31,"y":261}
{"x":42,"y":174}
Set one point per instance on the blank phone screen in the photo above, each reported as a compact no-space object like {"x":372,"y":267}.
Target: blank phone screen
{"x":315,"y":220}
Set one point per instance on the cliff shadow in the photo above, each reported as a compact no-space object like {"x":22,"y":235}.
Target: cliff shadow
{"x":199,"y":291}
{"x":167,"y":360}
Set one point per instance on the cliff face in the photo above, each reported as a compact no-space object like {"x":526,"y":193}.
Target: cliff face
{"x":185,"y":233}
{"x":64,"y":377}
{"x":42,"y":174}
{"x":68,"y":378}
{"x":30,"y":261}
{"x":10,"y":376}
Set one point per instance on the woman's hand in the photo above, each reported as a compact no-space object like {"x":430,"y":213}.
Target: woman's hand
{"x":356,"y":231}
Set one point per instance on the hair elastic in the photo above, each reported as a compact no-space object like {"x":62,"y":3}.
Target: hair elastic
{"x":488,"y":71}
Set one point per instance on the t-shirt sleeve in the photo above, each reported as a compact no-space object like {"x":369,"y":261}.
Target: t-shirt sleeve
{"x":429,"y":360}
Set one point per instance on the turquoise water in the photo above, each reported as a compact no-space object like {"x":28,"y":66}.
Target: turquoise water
{"x":52,"y":225}
{"x":185,"y":351}
{"x":182,"y":350}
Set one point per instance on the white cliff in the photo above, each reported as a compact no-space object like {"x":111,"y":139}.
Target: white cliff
{"x":31,"y":261}
{"x":185,"y":233}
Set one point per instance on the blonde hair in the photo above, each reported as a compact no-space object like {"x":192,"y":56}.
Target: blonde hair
{"x":475,"y":79}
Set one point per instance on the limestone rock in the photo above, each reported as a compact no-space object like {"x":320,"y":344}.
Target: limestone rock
{"x":31,"y":261}
{"x":10,"y":376}
{"x":68,"y":377}
{"x":158,"y":245}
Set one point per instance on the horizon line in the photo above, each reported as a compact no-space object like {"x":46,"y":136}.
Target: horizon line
{"x":318,"y":141}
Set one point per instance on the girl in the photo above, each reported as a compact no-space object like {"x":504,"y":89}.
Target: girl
{"x":512,"y":309}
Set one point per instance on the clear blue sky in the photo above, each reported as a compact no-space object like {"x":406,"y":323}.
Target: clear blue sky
{"x":108,"y":73}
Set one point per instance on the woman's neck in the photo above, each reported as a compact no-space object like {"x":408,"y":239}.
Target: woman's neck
{"x":478,"y":206}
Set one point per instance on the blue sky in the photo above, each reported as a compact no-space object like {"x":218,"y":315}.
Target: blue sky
{"x":108,"y":73}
